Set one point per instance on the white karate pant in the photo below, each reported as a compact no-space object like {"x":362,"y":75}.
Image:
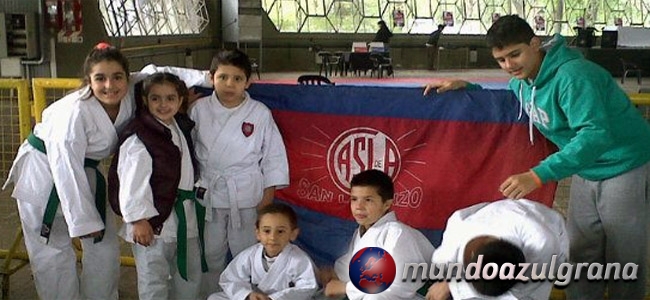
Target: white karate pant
{"x":220,"y":236}
{"x":54,"y":265}
{"x":158,"y":276}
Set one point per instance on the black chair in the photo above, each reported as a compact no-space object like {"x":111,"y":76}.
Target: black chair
{"x":381,"y":63}
{"x":628,"y":68}
{"x":330,"y":63}
{"x":255,"y":67}
{"x":343,"y":62}
{"x":314,"y":80}
{"x":360,"y":61}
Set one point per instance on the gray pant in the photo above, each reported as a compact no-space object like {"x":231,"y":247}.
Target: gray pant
{"x":607,"y":222}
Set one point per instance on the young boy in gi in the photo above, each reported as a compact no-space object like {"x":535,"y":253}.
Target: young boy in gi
{"x":498,"y":230}
{"x":242,"y":160}
{"x":371,"y":197}
{"x":273,"y":268}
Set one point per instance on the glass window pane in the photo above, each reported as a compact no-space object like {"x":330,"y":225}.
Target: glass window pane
{"x":462,"y":16}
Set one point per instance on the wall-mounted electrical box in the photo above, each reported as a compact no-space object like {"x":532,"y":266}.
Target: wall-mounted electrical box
{"x":19,"y":35}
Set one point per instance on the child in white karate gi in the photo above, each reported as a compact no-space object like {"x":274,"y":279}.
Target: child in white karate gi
{"x":371,"y":197}
{"x":273,"y":268}
{"x":61,"y":193}
{"x":505,"y":231}
{"x":151,"y":183}
{"x":242,"y":161}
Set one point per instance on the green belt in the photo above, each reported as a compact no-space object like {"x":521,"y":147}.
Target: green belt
{"x":181,"y":234}
{"x":53,"y":201}
{"x":425,"y":288}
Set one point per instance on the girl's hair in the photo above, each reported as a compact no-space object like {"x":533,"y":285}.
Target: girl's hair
{"x":235,"y":58}
{"x":166,"y":78}
{"x":103,"y":52}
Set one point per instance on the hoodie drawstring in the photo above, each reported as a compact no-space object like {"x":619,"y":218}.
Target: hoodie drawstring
{"x":530,"y":115}
{"x":529,"y":112}
{"x":521,"y":101}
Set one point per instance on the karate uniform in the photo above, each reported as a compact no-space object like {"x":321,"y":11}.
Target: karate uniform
{"x":158,"y":277}
{"x":290,"y":277}
{"x":73,"y":128}
{"x":240,"y":153}
{"x":405,"y":245}
{"x":536,"y":229}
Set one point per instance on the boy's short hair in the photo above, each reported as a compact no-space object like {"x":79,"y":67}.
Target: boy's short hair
{"x":499,"y":252}
{"x":235,"y":58}
{"x":509,"y":30}
{"x":278,"y":208}
{"x":377,"y":179}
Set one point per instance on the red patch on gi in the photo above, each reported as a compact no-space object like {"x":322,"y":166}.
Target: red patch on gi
{"x":247,"y":129}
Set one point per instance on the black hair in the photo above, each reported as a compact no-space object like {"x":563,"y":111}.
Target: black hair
{"x":509,"y":30}
{"x":278,"y":208}
{"x":377,"y":179}
{"x":102,"y":52}
{"x":499,"y":252}
{"x":162,"y":78}
{"x":235,"y":58}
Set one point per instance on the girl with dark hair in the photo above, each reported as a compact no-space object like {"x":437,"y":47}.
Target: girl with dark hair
{"x":60,"y":192}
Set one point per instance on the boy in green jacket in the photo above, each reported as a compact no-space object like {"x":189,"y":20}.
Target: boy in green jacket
{"x":603,"y":141}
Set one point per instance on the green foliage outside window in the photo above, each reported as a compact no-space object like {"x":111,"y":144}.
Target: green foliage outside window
{"x":468,"y":16}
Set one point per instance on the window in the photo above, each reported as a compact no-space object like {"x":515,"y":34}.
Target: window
{"x":467,"y":16}
{"x":153,"y":17}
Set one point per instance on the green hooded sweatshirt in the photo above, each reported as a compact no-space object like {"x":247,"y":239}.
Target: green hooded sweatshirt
{"x":579,"y":107}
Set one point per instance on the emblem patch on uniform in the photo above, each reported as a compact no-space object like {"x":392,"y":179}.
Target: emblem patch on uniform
{"x":247,"y":129}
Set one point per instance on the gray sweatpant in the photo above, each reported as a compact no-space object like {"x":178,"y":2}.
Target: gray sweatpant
{"x":607,"y":222}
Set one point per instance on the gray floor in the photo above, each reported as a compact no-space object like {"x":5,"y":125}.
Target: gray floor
{"x":21,"y":285}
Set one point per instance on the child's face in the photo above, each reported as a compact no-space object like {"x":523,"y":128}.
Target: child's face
{"x":367,"y":206}
{"x":109,"y":82}
{"x":163,"y":102}
{"x":274,"y":232}
{"x":230,"y":83}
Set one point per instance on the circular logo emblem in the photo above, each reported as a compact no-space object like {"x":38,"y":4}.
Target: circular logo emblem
{"x":360,"y":149}
{"x":372,"y":270}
